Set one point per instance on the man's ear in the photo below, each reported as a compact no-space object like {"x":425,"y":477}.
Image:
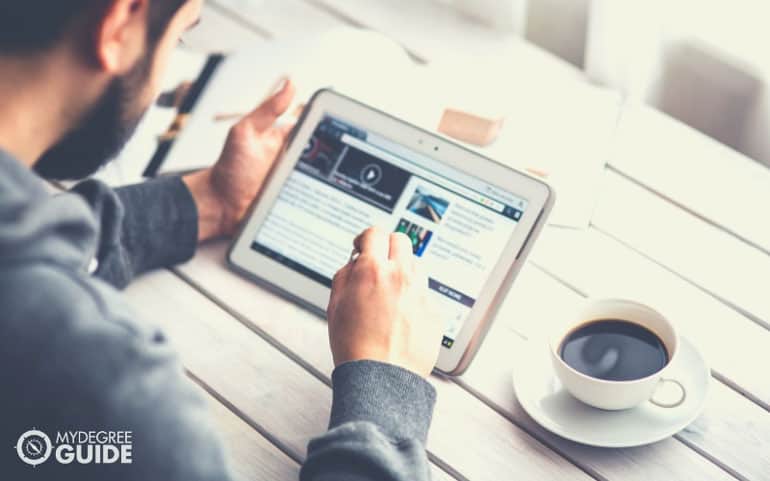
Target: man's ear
{"x":121,"y":35}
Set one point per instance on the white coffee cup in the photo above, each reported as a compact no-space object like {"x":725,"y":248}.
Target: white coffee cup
{"x":616,"y":395}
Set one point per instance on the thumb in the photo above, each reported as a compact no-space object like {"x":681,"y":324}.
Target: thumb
{"x":264,"y":116}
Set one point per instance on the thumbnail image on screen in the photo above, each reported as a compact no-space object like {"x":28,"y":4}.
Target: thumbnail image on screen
{"x":427,"y":205}
{"x":419,"y":236}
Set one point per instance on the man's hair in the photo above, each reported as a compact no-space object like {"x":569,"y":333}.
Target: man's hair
{"x":35,"y":25}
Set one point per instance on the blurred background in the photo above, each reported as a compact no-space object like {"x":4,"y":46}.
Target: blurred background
{"x":704,"y":62}
{"x":662,"y":89}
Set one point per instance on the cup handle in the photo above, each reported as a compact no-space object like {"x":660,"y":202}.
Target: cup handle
{"x":674,"y":404}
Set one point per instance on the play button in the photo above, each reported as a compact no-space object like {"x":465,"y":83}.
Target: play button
{"x":371,"y":174}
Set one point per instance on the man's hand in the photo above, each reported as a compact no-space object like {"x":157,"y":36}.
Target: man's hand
{"x":224,"y":192}
{"x":379,"y":309}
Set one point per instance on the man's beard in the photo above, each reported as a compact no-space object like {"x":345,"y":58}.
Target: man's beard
{"x":102,"y":132}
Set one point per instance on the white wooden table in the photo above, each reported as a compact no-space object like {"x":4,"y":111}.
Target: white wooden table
{"x":681,"y":224}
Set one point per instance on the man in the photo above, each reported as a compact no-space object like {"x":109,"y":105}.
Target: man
{"x":75,"y":77}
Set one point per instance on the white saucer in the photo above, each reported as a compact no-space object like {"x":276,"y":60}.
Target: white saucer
{"x":543,"y":398}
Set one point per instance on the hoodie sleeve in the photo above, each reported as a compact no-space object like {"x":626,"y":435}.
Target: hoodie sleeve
{"x":378,"y":428}
{"x":142,"y":227}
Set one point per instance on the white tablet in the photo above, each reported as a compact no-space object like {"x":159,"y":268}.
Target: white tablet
{"x":348,"y":167}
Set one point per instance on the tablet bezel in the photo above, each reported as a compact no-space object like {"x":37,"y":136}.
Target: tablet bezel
{"x":316,"y":296}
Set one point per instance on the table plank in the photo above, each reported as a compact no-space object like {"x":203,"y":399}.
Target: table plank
{"x":478,"y":443}
{"x":252,"y":457}
{"x":268,"y":388}
{"x":696,"y":172}
{"x":601,"y":267}
{"x":709,"y":257}
{"x":732,"y":431}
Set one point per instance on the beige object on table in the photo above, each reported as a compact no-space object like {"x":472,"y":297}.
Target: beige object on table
{"x":470,"y":128}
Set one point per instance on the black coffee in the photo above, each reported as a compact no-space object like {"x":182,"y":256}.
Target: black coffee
{"x":614,"y":350}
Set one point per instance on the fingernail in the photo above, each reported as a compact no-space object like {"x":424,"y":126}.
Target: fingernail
{"x":280,"y":85}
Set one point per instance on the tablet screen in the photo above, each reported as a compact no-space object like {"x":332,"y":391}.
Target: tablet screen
{"x":348,"y":179}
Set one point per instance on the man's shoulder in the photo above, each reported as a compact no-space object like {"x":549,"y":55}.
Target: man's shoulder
{"x":41,"y":294}
{"x":65,"y":314}
{"x":37,"y":292}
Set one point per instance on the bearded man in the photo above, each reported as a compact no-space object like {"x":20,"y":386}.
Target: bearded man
{"x":75,"y":78}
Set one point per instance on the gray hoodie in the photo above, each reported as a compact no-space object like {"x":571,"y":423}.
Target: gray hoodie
{"x":75,"y":357}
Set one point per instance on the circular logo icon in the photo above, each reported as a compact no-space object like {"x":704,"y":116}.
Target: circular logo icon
{"x":371,"y":174}
{"x":34,"y":447}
